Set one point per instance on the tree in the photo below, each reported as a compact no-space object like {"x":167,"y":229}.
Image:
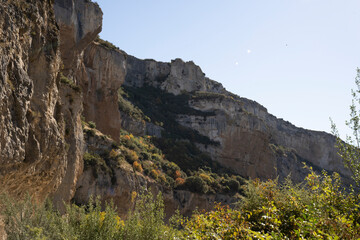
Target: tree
{"x":349,"y":150}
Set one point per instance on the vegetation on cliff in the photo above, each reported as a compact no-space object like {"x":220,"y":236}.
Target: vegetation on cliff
{"x":162,"y":108}
{"x":189,"y":168}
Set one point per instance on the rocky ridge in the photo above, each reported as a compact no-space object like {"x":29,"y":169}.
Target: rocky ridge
{"x":248,"y":136}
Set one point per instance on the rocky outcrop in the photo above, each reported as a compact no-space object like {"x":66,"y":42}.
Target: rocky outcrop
{"x":104,"y":73}
{"x":41,"y":138}
{"x":175,"y":77}
{"x":32,"y":144}
{"x":79,"y":23}
{"x":247,"y":134}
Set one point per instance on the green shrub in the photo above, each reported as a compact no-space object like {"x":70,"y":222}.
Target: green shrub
{"x":232,"y":184}
{"x":25,"y":220}
{"x":318,"y":208}
{"x":96,"y":163}
{"x":196,"y":184}
{"x":128,"y":108}
{"x":89,"y":132}
{"x":68,"y":82}
{"x":106,"y":44}
{"x":147,"y":220}
{"x":92,"y":124}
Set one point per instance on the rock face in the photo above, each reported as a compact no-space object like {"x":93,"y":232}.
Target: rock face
{"x":41,"y":138}
{"x":79,"y":22}
{"x":53,"y":71}
{"x":32,"y":144}
{"x":175,"y":77}
{"x":104,"y":74}
{"x":249,"y":137}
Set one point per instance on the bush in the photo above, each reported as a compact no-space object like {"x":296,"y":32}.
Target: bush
{"x":113,"y":154}
{"x":137,"y":166}
{"x":106,"y":44}
{"x":147,"y":220}
{"x":68,"y":82}
{"x":92,"y":124}
{"x":196,"y":184}
{"x":316,"y":209}
{"x":90,"y":132}
{"x":232,"y":184}
{"x":25,"y":220}
{"x":131,"y":155}
{"x":154,"y":174}
{"x":179,"y":181}
{"x":93,"y":159}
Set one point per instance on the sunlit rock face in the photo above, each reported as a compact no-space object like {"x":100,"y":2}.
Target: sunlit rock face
{"x":41,"y":138}
{"x":104,"y":74}
{"x":251,"y":141}
{"x":32,"y":144}
{"x":80,"y":22}
{"x":53,"y":71}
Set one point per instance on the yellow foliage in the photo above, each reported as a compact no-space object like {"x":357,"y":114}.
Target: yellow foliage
{"x":132,"y":155}
{"x":133,"y":196}
{"x":154,"y":174}
{"x":137,"y":166}
{"x":205,"y":177}
{"x":113,"y":153}
{"x":163,"y":178}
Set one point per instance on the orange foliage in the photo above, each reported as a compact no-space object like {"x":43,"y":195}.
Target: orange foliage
{"x":137,"y":166}
{"x":132,"y":155}
{"x":154,"y":174}
{"x":177,"y":174}
{"x":179,"y":181}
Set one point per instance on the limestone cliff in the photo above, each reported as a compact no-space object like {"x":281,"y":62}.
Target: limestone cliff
{"x":54,"y":69}
{"x":41,"y":138}
{"x":250,"y":141}
{"x":30,"y":102}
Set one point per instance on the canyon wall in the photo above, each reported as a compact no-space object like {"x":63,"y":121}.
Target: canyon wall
{"x":249,"y":138}
{"x":54,"y":70}
{"x":33,"y":153}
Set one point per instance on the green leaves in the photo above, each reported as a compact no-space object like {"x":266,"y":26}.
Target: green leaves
{"x":318,"y":208}
{"x":349,"y":151}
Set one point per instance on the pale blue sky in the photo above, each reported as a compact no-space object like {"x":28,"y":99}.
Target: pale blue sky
{"x":298,"y":58}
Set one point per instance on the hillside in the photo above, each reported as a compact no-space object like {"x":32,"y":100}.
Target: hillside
{"x":80,"y":117}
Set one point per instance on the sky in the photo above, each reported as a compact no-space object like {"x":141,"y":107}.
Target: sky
{"x":297,"y":58}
